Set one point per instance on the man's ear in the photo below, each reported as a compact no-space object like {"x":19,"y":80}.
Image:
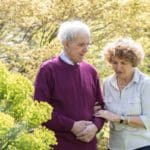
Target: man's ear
{"x":65,"y":44}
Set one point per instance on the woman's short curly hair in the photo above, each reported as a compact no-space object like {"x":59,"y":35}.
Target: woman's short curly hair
{"x":124,"y":48}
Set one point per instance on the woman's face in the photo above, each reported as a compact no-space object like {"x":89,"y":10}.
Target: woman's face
{"x":122,"y":67}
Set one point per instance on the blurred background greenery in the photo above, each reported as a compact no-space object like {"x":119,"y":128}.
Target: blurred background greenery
{"x":28,"y":30}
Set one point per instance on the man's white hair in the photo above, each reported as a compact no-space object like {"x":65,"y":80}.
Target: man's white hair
{"x":69,"y":29}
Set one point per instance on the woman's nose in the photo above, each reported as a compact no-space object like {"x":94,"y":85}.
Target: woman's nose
{"x":119,"y":67}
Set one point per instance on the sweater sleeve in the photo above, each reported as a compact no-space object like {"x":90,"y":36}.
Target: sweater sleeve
{"x":44,"y":84}
{"x":99,"y":122}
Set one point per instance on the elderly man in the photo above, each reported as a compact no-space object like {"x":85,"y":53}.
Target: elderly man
{"x":72,"y":87}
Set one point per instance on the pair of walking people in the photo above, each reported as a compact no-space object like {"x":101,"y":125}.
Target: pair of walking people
{"x":72,"y":87}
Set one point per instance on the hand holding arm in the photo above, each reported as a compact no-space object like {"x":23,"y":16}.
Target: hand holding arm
{"x":133,"y":121}
{"x":97,"y":107}
{"x":107,"y":115}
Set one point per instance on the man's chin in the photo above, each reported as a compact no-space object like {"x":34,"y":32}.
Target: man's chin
{"x":80,"y":60}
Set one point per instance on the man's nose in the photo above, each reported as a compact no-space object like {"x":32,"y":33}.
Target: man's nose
{"x":85,"y":48}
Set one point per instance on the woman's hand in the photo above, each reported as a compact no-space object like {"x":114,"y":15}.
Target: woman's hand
{"x":97,"y":107}
{"x":107,"y":115}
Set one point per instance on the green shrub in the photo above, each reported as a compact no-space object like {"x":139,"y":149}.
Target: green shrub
{"x":20,"y":116}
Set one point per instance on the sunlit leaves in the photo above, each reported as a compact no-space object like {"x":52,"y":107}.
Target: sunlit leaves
{"x":38,"y":139}
{"x":6,"y":122}
{"x":27,"y":24}
{"x":37,"y":113}
{"x":20,"y":116}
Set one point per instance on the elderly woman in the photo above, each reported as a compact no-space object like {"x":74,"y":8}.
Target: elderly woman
{"x":126,"y":97}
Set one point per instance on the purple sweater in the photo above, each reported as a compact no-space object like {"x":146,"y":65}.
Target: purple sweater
{"x":72,"y":91}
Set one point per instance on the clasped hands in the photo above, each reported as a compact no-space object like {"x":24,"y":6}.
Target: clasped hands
{"x":84,"y":131}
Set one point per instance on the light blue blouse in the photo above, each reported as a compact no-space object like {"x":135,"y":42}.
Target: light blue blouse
{"x":133,"y":100}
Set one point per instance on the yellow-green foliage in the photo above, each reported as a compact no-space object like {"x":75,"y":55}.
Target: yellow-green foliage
{"x":3,"y":79}
{"x":26,"y":25}
{"x":20,"y":116}
{"x":37,"y":113}
{"x":102,"y":137}
{"x":39,"y":139}
{"x":6,"y":122}
{"x":21,"y":58}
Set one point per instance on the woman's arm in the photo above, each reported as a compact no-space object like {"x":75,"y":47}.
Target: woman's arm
{"x":134,"y":121}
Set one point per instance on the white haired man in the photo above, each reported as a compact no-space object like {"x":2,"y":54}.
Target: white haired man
{"x":72,"y":87}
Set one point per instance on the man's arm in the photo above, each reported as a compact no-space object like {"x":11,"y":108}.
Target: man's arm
{"x":90,"y":131}
{"x":43,"y":90}
{"x":99,"y":122}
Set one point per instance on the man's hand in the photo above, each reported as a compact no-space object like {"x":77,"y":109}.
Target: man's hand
{"x":88,"y":133}
{"x":79,"y":126}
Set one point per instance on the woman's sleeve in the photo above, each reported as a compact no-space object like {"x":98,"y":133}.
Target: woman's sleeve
{"x":145,"y":96}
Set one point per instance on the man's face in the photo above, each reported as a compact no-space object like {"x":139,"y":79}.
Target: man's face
{"x":77,"y":48}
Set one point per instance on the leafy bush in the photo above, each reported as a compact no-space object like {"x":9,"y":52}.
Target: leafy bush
{"x":37,"y":24}
{"x":21,"y":117}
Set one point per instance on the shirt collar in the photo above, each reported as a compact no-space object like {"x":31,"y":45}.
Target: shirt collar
{"x":66,"y":59}
{"x":136,"y":78}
